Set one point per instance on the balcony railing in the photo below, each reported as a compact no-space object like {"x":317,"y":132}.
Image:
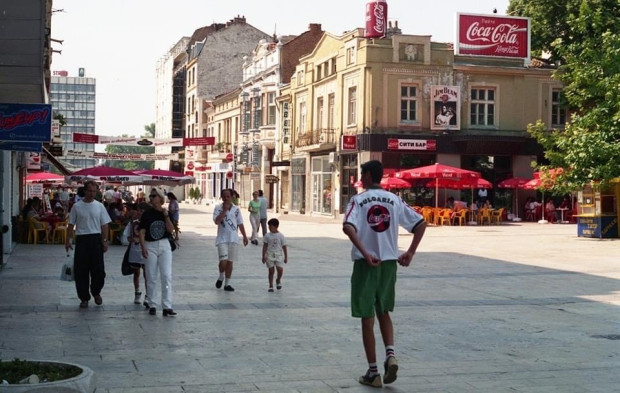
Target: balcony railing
{"x":316,"y":137}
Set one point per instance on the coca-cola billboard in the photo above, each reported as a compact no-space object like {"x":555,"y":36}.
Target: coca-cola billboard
{"x":490,"y":35}
{"x":376,"y":19}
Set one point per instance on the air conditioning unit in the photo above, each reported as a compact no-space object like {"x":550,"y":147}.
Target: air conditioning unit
{"x":333,"y":158}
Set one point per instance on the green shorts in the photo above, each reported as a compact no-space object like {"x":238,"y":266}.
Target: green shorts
{"x":372,"y":288}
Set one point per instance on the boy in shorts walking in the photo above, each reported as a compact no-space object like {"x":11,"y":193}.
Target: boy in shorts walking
{"x":371,"y":222}
{"x":275,"y":254}
{"x":229,"y":220}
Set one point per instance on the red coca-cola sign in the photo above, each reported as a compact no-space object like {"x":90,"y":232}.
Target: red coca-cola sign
{"x":490,"y":35}
{"x":376,"y":19}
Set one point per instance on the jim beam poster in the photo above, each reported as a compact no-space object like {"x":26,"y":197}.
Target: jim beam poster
{"x":445,"y":108}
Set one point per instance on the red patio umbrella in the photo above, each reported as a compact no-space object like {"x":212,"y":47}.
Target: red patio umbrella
{"x":389,"y":183}
{"x":537,"y":183}
{"x":44,"y":177}
{"x":514,"y":183}
{"x":437,"y":171}
{"x":105,"y":174}
{"x":163,"y":177}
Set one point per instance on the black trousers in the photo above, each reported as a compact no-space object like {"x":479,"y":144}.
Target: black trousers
{"x":88,"y":266}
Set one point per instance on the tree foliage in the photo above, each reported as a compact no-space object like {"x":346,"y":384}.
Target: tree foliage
{"x":133,"y":165}
{"x":583,"y":37}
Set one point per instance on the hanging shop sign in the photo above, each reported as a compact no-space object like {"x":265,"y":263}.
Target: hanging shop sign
{"x":133,"y":141}
{"x":25,"y":122}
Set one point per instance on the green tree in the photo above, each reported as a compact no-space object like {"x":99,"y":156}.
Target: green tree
{"x":133,"y":165}
{"x":585,"y":44}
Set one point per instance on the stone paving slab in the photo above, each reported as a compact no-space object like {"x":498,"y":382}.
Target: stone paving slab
{"x":508,"y":308}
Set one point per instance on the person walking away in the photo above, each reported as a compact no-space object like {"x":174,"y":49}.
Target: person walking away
{"x":254,"y":209}
{"x":90,"y":220}
{"x":155,"y":229}
{"x":275,"y":253}
{"x":135,"y":258}
{"x":229,"y":221}
{"x":371,"y":222}
{"x":173,"y":210}
{"x":263,"y":211}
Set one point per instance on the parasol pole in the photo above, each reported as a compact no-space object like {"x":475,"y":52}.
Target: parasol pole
{"x":471,"y":209}
{"x":436,"y":192}
{"x":543,"y":221}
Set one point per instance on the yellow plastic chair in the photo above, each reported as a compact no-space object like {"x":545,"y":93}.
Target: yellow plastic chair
{"x":460,"y":216}
{"x":484,"y":214}
{"x":444,"y":217}
{"x":35,"y":227}
{"x":60,"y":232}
{"x":496,"y":215}
{"x":114,"y":229}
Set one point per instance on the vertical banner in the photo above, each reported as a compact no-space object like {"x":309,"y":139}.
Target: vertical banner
{"x":445,"y":108}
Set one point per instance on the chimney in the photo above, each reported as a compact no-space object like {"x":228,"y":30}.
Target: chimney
{"x":314,"y":27}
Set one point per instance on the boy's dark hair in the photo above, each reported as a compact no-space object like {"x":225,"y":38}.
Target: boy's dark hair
{"x":260,"y":193}
{"x":274,"y":222}
{"x":375,"y":168}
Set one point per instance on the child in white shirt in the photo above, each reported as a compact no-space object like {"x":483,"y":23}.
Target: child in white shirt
{"x":275,"y":253}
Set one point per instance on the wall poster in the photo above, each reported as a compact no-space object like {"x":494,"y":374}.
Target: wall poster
{"x":445,"y":108}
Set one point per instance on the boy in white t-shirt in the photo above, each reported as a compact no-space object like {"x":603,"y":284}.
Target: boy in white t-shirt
{"x":275,"y":253}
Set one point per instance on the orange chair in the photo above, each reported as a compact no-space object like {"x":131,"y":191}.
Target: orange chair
{"x":60,"y":232}
{"x":460,"y":216}
{"x":36,"y":227}
{"x":444,"y":217}
{"x":497,"y":215}
{"x":484,"y":214}
{"x":427,"y":213}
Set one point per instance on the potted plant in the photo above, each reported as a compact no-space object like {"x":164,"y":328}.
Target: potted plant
{"x":20,"y":376}
{"x":192,"y":195}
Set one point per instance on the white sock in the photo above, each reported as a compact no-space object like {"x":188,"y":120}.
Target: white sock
{"x":227,"y":282}
{"x":221,"y":277}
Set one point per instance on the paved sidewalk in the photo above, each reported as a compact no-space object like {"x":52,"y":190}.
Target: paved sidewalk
{"x":509,"y":308}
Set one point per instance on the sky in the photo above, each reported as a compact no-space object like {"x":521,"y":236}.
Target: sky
{"x":118,"y":42}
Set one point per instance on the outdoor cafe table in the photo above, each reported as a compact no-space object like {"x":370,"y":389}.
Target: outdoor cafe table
{"x":562,"y":210}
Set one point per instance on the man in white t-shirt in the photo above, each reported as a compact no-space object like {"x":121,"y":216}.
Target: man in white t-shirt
{"x":90,"y":220}
{"x":228,"y":219}
{"x":371,"y":222}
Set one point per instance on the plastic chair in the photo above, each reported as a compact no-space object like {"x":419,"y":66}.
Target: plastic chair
{"x":460,"y":216}
{"x":427,"y":213}
{"x":60,"y":232}
{"x":35,"y":227}
{"x":484,"y":214}
{"x":114,"y":229}
{"x":444,"y":217}
{"x":497,"y":216}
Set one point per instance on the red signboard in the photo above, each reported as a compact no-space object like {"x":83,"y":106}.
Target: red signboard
{"x":411,"y":144}
{"x":349,"y":142}
{"x":491,"y":35}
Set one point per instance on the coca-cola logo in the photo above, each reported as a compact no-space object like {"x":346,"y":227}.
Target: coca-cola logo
{"x":378,"y":218}
{"x":483,"y":35}
{"x":379,"y":12}
{"x":504,"y":33}
{"x":392,"y":144}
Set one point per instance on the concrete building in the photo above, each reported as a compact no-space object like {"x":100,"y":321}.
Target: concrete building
{"x":25,"y":61}
{"x":409,"y":102}
{"x":263,"y":141}
{"x":74,"y":98}
{"x":170,"y":100}
{"x":214,"y":58}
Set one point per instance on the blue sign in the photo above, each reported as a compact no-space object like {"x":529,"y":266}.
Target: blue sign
{"x":35,"y":147}
{"x":25,"y":122}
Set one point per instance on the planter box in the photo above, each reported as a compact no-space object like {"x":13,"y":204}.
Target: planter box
{"x":83,"y":383}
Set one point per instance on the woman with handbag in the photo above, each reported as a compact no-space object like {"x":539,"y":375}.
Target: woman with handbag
{"x":155,"y":230}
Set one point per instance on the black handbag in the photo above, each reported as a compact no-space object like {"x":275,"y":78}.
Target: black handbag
{"x":173,"y":244}
{"x":126,"y":268}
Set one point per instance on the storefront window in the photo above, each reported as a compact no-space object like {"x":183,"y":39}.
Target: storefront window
{"x":321,"y":185}
{"x":298,"y":185}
